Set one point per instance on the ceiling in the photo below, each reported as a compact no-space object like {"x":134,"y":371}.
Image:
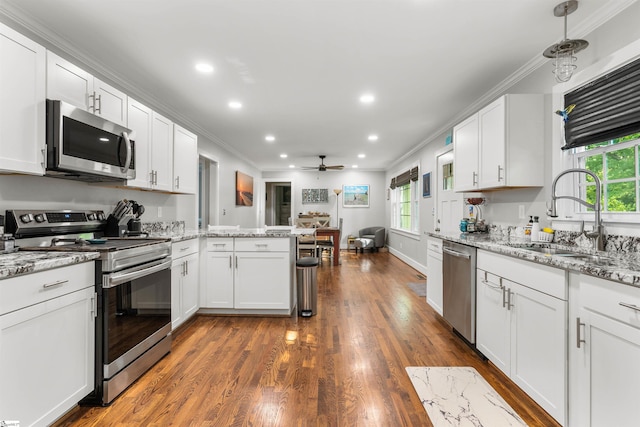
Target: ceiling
{"x":299,"y":66}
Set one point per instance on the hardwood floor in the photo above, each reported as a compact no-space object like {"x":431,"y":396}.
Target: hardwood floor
{"x":342,"y":367}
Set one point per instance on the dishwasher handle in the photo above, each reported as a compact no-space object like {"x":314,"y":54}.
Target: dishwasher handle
{"x":456,"y":253}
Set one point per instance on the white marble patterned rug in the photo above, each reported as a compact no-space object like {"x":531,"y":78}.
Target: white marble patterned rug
{"x":460,"y":397}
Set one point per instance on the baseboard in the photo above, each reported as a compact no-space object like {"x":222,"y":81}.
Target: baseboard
{"x":410,"y":261}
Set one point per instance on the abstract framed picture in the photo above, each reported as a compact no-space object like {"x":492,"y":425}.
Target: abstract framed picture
{"x":355,"y":196}
{"x":244,"y":189}
{"x":426,"y":185}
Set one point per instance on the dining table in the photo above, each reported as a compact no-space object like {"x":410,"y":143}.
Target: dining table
{"x":334,"y":233}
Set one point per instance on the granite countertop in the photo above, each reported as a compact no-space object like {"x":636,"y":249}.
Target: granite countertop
{"x":24,"y":262}
{"x":621,"y":267}
{"x":259,"y":232}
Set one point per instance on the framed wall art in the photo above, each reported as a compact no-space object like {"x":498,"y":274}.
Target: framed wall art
{"x":244,"y":189}
{"x":355,"y":196}
{"x":315,"y":195}
{"x":426,"y":185}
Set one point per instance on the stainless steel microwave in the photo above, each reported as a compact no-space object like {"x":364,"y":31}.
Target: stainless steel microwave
{"x":86,"y":147}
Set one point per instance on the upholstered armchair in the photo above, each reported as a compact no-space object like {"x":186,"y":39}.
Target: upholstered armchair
{"x":377,"y":234}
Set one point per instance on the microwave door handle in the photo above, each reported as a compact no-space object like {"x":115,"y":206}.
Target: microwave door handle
{"x":127,"y":162}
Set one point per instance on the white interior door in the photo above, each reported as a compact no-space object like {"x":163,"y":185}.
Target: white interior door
{"x":449,"y":207}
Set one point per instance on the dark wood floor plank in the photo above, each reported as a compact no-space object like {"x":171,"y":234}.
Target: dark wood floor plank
{"x":342,"y":367}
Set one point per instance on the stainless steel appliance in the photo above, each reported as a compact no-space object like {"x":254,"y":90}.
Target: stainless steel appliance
{"x":86,"y":147}
{"x":459,"y":288}
{"x":133,"y":284}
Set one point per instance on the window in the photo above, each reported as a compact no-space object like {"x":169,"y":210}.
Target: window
{"x":616,"y":163}
{"x":405,"y":201}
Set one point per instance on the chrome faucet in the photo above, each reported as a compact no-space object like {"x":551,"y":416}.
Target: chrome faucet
{"x":597,"y":234}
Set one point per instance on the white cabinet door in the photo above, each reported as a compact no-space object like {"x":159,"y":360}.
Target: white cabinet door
{"x":162,"y":152}
{"x":492,"y":146}
{"x":262,"y":280}
{"x":539,"y":347}
{"x":22,"y":103}
{"x":465,"y":155}
{"x":220,"y":276}
{"x":608,"y":372}
{"x":493,"y":324}
{"x":111,"y":103}
{"x":185,"y":161}
{"x":47,"y":358}
{"x":70,"y":83}
{"x":434,"y":274}
{"x":190,"y":295}
{"x":139,"y":121}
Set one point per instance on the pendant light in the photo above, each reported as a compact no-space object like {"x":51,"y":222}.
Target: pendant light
{"x":563,"y":52}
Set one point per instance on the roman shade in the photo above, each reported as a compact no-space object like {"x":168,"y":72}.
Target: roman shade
{"x":404,"y":178}
{"x":605,"y":109}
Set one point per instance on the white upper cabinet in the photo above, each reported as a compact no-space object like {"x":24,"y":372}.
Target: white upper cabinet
{"x":501,"y":145}
{"x":22,"y":103}
{"x":185,"y":161}
{"x":161,"y":152}
{"x":139,"y":119}
{"x":69,"y":83}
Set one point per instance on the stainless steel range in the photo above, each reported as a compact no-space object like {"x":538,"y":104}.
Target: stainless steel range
{"x":133,"y":283}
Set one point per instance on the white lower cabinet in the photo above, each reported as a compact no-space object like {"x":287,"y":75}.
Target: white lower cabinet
{"x":184,"y":281}
{"x":604,"y":350}
{"x":47,"y":343}
{"x":250,"y":275}
{"x":521,"y":326}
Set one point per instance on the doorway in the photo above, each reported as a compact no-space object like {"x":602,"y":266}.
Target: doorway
{"x":449,"y":207}
{"x":277,"y":203}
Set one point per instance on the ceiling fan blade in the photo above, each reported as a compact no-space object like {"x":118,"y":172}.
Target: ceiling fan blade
{"x":335,"y":167}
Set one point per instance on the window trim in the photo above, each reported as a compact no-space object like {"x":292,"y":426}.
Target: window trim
{"x":414,"y":189}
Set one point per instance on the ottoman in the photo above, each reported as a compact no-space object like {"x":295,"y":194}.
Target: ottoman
{"x":363,"y":243}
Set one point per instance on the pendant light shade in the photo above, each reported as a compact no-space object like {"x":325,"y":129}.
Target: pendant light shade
{"x":563,"y":52}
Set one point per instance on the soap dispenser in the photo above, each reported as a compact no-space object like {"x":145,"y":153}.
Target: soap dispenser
{"x":535,"y":230}
{"x":527,"y":229}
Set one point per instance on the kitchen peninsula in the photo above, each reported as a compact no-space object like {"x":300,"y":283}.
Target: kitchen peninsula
{"x":250,"y":271}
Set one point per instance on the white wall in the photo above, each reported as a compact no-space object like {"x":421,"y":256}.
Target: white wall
{"x":353,"y":218}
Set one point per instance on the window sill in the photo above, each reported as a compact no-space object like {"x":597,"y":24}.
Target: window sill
{"x":409,"y":234}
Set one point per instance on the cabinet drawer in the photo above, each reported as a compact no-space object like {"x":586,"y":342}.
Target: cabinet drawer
{"x":550,"y":280}
{"x":606,"y":297}
{"x":262,"y":245}
{"x":218,"y":244}
{"x":23,"y":291}
{"x":184,"y":248}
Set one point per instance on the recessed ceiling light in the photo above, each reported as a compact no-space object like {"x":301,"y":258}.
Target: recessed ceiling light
{"x":283,"y":156}
{"x":270,"y":138}
{"x":235,"y":105}
{"x":361,"y":156}
{"x":367,"y":98}
{"x":204,"y":68}
{"x":373,"y":137}
{"x":354,"y":166}
{"x":292,"y":166}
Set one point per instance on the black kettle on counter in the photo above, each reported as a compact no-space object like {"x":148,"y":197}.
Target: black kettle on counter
{"x":134,"y":225}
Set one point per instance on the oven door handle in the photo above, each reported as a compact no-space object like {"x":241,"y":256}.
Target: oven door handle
{"x":119,"y":278}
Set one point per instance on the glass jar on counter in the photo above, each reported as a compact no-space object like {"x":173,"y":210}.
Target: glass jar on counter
{"x":463,"y":225}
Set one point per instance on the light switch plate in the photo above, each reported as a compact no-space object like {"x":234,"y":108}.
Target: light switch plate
{"x":521,"y":211}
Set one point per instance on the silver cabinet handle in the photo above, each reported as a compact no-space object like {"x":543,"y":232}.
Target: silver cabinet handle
{"x":500,"y":169}
{"x":230,"y":262}
{"x":186,"y":265}
{"x":151,"y":178}
{"x":504,"y":300}
{"x":92,"y":97}
{"x":475,"y":178}
{"x":456,"y":253}
{"x":631,"y":306}
{"x":509,"y":305}
{"x":56,"y":283}
{"x":177,"y":182}
{"x":183,"y":249}
{"x":578,"y":340}
{"x":236,"y":262}
{"x":98,"y":101}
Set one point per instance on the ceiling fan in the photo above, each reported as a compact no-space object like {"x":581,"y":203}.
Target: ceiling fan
{"x":322,"y":167}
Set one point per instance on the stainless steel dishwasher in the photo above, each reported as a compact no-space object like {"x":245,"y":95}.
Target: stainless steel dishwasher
{"x":459,"y":288}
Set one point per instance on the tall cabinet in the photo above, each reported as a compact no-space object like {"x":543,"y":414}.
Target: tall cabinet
{"x":22,"y":103}
{"x":501,"y":145}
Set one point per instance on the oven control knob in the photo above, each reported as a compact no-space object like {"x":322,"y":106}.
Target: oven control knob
{"x":26,"y":218}
{"x":91,"y":217}
{"x":40,"y":218}
{"x":101,"y":216}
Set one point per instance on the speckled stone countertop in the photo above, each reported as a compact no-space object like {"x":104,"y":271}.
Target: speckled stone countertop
{"x":258,"y":232}
{"x":24,"y":262}
{"x":623,"y":267}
